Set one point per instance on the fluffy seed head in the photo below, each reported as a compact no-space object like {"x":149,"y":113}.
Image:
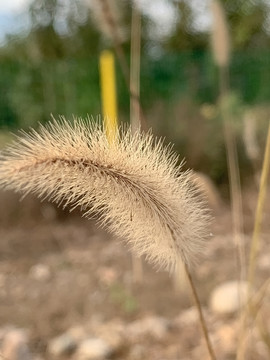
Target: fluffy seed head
{"x":133,"y":185}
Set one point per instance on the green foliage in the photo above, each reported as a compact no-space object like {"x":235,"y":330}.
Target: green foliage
{"x":7,"y":77}
{"x":249,"y":75}
{"x":54,"y":69}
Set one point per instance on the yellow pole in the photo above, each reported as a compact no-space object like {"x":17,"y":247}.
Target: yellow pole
{"x":108,"y":93}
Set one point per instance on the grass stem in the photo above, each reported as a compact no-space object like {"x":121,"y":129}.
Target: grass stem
{"x":201,"y":316}
{"x":254,"y":248}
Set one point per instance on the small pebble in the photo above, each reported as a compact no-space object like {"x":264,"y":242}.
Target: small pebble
{"x":228,"y":297}
{"x":40,"y":272}
{"x":62,"y":345}
{"x":153,"y":326}
{"x":15,"y":346}
{"x":93,"y":349}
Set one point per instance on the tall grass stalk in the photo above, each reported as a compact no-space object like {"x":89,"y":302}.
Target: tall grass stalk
{"x":221,"y":53}
{"x":135,"y":56}
{"x":111,"y":22}
{"x":99,"y":17}
{"x":251,"y":143}
{"x":116,"y":40}
{"x":254,"y":248}
{"x":135,"y":118}
{"x":255,"y":243}
{"x":202,"y":320}
{"x":220,"y":39}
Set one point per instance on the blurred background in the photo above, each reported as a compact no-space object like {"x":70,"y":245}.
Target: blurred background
{"x":49,"y":64}
{"x":67,"y":287}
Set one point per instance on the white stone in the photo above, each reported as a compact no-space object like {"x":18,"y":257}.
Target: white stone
{"x":112,"y":332}
{"x":153,"y":326}
{"x":78,"y":333}
{"x":61,"y":345}
{"x":40,"y":272}
{"x":229,"y":297}
{"x":93,"y":349}
{"x":15,"y":346}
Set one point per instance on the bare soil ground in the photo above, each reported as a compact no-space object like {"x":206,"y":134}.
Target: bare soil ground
{"x":58,"y":271}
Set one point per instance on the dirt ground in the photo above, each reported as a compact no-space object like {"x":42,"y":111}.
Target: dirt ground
{"x":58,"y":270}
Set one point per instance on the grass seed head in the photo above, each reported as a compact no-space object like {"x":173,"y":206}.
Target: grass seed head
{"x":133,"y":186}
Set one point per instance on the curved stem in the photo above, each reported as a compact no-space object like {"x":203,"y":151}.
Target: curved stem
{"x":202,"y":320}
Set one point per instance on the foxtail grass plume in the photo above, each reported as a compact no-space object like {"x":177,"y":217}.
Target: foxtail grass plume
{"x":220,"y":35}
{"x":133,"y":185}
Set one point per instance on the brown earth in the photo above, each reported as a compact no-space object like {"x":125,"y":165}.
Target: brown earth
{"x":89,"y":275}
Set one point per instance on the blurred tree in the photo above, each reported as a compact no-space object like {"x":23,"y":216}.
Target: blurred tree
{"x":56,"y":66}
{"x":247,"y":19}
{"x":185,"y":36}
{"x":57,"y":72}
{"x":63,"y":29}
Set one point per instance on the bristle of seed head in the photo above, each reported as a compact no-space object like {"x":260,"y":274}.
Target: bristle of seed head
{"x":133,"y":186}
